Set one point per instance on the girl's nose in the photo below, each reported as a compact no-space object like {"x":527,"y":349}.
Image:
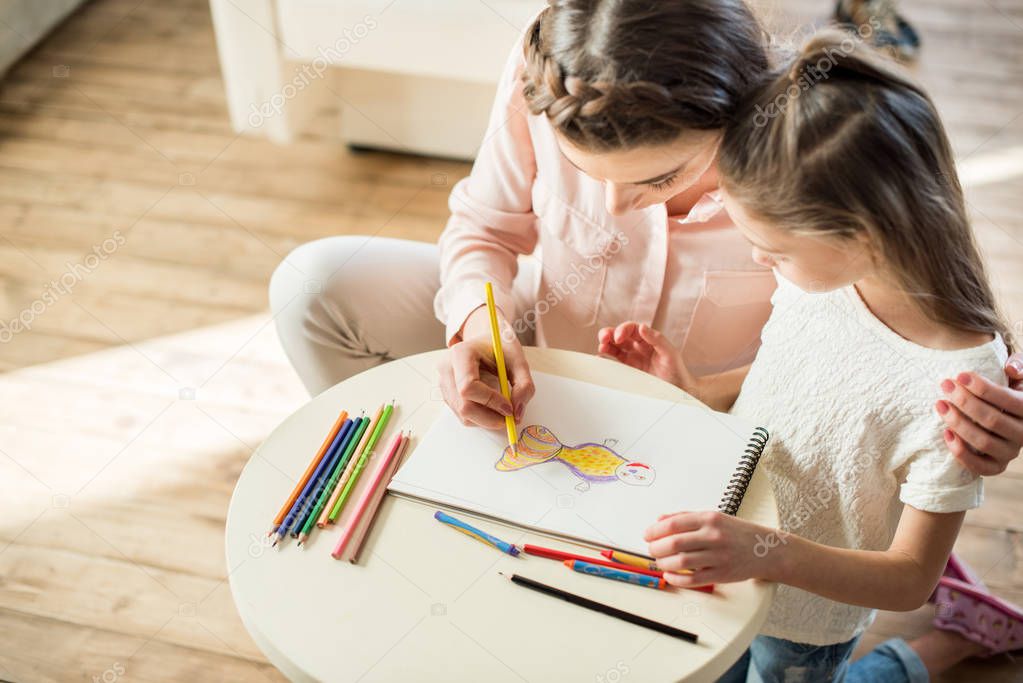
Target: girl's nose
{"x":617,"y":199}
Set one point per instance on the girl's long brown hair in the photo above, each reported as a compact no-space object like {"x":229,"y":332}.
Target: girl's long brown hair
{"x":618,"y":74}
{"x":843,"y":142}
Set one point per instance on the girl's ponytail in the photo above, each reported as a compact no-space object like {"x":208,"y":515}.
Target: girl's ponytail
{"x":842,"y":54}
{"x":842,"y":141}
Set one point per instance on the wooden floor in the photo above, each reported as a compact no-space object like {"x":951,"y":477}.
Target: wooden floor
{"x":131,"y":405}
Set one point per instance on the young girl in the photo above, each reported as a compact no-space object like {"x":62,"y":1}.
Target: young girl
{"x":839,"y":174}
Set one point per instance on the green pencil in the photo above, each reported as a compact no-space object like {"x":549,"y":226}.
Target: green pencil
{"x":332,"y":482}
{"x":350,"y":484}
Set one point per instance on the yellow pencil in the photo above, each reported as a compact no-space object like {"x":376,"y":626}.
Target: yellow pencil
{"x":502,"y":373}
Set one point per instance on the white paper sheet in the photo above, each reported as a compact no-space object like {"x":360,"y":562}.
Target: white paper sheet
{"x":650,"y":456}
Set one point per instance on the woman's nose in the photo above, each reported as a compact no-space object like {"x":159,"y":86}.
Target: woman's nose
{"x":617,"y":199}
{"x":762,"y":258}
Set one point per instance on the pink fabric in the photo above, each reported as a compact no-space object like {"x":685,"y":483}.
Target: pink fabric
{"x":978,"y":616}
{"x":956,"y":568}
{"x":691,"y":277}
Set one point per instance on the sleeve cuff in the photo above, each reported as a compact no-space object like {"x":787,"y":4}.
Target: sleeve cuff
{"x":954,"y":499}
{"x":470,"y":296}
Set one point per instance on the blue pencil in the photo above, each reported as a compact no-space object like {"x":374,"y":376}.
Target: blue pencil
{"x":297,"y":507}
{"x":478,"y":534}
{"x":329,"y":479}
{"x":321,"y":479}
{"x":616,"y":574}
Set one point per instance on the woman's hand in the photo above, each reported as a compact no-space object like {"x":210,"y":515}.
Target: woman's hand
{"x":985,"y":420}
{"x":715,"y":547}
{"x":644,"y":348}
{"x":468,"y":374}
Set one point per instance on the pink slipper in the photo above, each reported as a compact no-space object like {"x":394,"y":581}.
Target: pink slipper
{"x":957,"y":569}
{"x":978,"y":616}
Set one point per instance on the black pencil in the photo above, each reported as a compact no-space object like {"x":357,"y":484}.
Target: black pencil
{"x":601,"y":607}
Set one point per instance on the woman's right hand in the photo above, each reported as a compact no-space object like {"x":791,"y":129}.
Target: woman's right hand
{"x":468,"y":374}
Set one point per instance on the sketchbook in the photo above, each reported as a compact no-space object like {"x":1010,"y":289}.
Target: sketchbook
{"x":593,"y":465}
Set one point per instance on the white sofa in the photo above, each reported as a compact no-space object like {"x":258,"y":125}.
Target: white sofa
{"x":411,"y":75}
{"x":23,"y":23}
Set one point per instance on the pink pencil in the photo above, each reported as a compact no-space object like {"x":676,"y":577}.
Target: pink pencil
{"x":367,"y":495}
{"x":351,"y":553}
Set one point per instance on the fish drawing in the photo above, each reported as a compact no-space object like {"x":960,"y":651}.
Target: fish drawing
{"x":591,"y":462}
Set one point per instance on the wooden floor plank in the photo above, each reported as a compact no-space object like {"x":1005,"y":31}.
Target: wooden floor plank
{"x":73,"y":652}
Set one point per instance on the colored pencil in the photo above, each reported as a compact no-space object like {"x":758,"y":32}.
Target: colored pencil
{"x":335,"y":474}
{"x":355,"y":545}
{"x":296,"y":507}
{"x":641,"y":561}
{"x":616,"y":574}
{"x":366,"y":435}
{"x":360,"y":507}
{"x":473,"y":532}
{"x":560,"y":555}
{"x":320,"y":478}
{"x":366,"y":455}
{"x":629,"y":559}
{"x":308,"y":472}
{"x":602,"y":608}
{"x":502,"y":371}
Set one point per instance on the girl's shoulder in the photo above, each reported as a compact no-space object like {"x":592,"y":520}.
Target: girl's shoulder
{"x":966,"y":351}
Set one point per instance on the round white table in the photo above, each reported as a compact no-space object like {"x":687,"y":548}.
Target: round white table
{"x":426,"y":604}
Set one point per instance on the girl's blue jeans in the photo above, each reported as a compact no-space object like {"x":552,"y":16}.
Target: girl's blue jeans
{"x":772,"y":660}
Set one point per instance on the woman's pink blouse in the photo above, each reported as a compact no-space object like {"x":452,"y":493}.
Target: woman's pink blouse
{"x":692,"y":277}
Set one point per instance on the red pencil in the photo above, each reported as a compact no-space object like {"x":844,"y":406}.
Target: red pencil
{"x":560,"y":555}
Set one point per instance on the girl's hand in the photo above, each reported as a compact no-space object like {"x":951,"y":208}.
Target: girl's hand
{"x":985,"y":420}
{"x":716,"y":547}
{"x":468,"y":374}
{"x":644,"y":348}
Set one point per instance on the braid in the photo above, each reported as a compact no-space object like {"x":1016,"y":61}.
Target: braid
{"x":597,"y":89}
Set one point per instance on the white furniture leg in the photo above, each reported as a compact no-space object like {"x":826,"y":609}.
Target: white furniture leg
{"x":267,"y":95}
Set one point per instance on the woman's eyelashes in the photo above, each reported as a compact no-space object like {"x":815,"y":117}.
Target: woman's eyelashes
{"x":664,"y":184}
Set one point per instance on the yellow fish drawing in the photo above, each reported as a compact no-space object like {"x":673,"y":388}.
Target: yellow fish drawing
{"x":591,"y":462}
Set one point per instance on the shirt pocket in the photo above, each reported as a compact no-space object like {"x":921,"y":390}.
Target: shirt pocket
{"x":574,"y":257}
{"x":724,"y":330}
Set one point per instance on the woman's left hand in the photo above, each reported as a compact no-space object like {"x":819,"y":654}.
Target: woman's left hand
{"x":985,"y":420}
{"x":715,"y":547}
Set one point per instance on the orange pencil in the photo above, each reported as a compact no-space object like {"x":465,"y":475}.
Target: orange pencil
{"x":351,"y":553}
{"x":639,"y":561}
{"x":309,"y":471}
{"x":325,"y":515}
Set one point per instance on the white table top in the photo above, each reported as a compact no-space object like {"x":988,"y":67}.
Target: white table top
{"x":428,"y":604}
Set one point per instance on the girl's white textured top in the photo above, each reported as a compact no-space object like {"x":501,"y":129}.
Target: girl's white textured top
{"x":854,"y":436}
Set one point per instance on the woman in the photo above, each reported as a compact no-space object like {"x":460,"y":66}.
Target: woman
{"x":613,"y":248}
{"x":601,"y":152}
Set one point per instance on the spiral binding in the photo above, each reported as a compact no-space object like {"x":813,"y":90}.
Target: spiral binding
{"x":736,"y":488}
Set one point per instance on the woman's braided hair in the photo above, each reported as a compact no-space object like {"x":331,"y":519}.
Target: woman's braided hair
{"x":618,"y":74}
